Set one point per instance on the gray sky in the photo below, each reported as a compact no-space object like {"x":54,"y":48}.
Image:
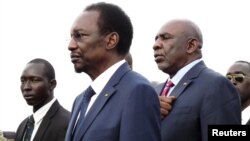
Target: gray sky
{"x":31,"y":29}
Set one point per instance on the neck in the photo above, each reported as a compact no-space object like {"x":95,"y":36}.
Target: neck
{"x":99,"y":69}
{"x":38,"y":106}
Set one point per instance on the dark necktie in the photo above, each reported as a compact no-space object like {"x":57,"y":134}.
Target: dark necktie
{"x":29,"y":129}
{"x":167,"y":87}
{"x":89,"y":92}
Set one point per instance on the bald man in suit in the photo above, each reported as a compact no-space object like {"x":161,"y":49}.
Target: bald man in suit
{"x":199,"y":96}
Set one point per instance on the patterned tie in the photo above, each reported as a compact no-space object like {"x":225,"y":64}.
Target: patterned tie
{"x":29,"y":128}
{"x":89,"y":92}
{"x":167,"y":87}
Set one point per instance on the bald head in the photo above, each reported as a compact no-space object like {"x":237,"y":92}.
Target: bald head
{"x":177,"y":44}
{"x":187,"y":28}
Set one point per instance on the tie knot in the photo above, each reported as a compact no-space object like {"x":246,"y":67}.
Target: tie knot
{"x":170,"y":84}
{"x":31,"y":120}
{"x":89,"y":92}
{"x":167,"y":88}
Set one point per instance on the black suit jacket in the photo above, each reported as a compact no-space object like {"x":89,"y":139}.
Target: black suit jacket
{"x":53,"y":126}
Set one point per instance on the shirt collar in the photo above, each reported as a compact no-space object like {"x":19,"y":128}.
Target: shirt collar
{"x":40,"y":113}
{"x":178,"y":76}
{"x":99,"y":83}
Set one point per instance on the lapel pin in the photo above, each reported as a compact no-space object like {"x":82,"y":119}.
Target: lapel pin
{"x":185,"y":84}
{"x":106,"y":95}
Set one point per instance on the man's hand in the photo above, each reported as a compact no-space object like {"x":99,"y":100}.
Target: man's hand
{"x":166,"y":104}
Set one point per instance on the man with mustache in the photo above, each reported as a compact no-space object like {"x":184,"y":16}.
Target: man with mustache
{"x":119,"y":104}
{"x":193,"y":96}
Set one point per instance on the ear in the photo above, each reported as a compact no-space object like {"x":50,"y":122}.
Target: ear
{"x":192,"y":45}
{"x":52,"y":84}
{"x":112,"y":40}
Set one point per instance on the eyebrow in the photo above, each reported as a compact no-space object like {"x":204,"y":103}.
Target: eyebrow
{"x":78,"y":30}
{"x":237,"y":72}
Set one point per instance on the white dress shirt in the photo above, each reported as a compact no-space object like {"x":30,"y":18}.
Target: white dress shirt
{"x":39,"y":115}
{"x":245,"y":115}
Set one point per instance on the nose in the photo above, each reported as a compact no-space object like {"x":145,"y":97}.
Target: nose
{"x":72,"y":44}
{"x":233,"y":82}
{"x":26,"y":86}
{"x":157,"y":44}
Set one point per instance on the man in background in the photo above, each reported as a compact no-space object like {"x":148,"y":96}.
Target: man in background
{"x":194,"y":96}
{"x":239,"y":75}
{"x":49,"y":120}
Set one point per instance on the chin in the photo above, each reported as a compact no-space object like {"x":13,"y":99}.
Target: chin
{"x":78,"y":70}
{"x":161,"y":67}
{"x":30,"y":103}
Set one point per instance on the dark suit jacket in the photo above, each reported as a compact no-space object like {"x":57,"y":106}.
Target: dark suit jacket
{"x":204,"y":98}
{"x":127,"y":109}
{"x":53,"y":126}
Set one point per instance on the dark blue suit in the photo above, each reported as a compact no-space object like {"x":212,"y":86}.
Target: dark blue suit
{"x":204,"y":97}
{"x":127,"y":109}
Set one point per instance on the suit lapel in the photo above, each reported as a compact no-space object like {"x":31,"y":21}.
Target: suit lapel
{"x":188,"y":79}
{"x":46,"y":121}
{"x":159,"y":88}
{"x":181,"y":86}
{"x":107,"y":92}
{"x":95,"y":109}
{"x":22,"y":129}
{"x":74,"y":115}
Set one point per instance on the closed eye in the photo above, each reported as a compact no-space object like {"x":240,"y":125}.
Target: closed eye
{"x":164,"y":36}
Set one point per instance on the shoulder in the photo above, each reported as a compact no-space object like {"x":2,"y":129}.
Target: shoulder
{"x":23,"y":123}
{"x":136,"y":77}
{"x":136,"y":85}
{"x":62,"y":112}
{"x":57,"y":113}
{"x":217,"y":87}
{"x":21,"y":127}
{"x":217,"y":78}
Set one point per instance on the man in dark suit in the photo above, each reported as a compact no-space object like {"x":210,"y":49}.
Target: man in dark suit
{"x":239,"y":75}
{"x":199,"y":96}
{"x":50,"y":118}
{"x":124,"y":106}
